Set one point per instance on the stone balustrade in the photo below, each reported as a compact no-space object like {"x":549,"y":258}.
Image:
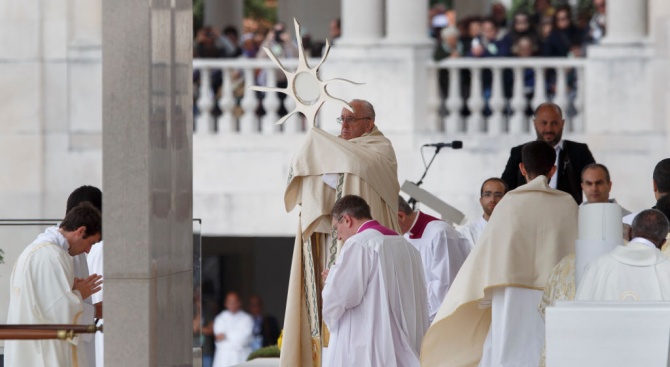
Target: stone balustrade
{"x":492,"y":96}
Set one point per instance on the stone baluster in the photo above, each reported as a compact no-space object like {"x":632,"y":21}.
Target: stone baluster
{"x":454,"y":102}
{"x":205,"y":120}
{"x":271,"y":105}
{"x":518,"y":103}
{"x":496,"y":104}
{"x":434,"y":100}
{"x":561,"y":96}
{"x":540,"y":91}
{"x":578,"y":103}
{"x":475,"y":103}
{"x":249,"y":120}
{"x":227,"y":103}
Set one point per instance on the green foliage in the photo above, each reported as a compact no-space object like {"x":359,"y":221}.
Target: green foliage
{"x":267,"y":352}
{"x":258,"y":9}
{"x":198,"y":15}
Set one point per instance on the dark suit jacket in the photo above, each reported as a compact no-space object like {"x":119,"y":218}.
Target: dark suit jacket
{"x":269,"y":330}
{"x":571,"y":160}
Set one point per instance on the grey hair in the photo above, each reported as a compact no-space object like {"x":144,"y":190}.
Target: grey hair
{"x":367,"y":108}
{"x":652,"y":225}
{"x":449,"y":32}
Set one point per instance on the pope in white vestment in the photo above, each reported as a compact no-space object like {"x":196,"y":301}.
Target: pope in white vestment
{"x":374,"y":301}
{"x":41,"y":293}
{"x":443,"y":251}
{"x":635,"y":272}
{"x":490,"y":313}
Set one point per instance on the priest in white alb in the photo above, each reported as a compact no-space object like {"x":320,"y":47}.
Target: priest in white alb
{"x":233,"y":333}
{"x":361,"y":161}
{"x":490,"y":316}
{"x":490,"y":194}
{"x":44,"y":289}
{"x":443,"y":251}
{"x":374,"y":299}
{"x":637,"y":271}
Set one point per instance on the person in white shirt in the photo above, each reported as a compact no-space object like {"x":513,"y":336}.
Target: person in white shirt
{"x":597,"y":184}
{"x":374,"y":300}
{"x":490,"y":194}
{"x":233,"y":333}
{"x":635,"y":272}
{"x":46,"y":291}
{"x":443,"y":250}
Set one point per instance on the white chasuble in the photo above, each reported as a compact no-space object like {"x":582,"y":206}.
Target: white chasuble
{"x":531,"y":230}
{"x":41,"y":293}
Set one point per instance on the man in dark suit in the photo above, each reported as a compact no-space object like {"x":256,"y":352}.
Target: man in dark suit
{"x":572,"y":157}
{"x":266,"y":330}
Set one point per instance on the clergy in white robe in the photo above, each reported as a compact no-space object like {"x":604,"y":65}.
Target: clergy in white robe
{"x":361,"y":161}
{"x":490,"y":313}
{"x":233,"y":333}
{"x":374,"y":300}
{"x":43,"y":290}
{"x":443,"y":251}
{"x":95,"y":266}
{"x":635,"y":272}
{"x":490,"y":194}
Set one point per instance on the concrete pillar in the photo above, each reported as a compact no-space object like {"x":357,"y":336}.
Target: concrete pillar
{"x":147,"y":180}
{"x":407,"y":22}
{"x":314,"y":16}
{"x":626,"y":21}
{"x":219,"y":14}
{"x":362,"y":22}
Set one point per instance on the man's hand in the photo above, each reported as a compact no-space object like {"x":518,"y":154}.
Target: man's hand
{"x":324,"y":275}
{"x":220,"y":337}
{"x":87,"y":286}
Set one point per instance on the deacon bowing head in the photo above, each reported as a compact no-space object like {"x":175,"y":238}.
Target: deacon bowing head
{"x":652,"y":225}
{"x":537,"y":158}
{"x":406,"y":215}
{"x":233,"y":302}
{"x":596,"y":183}
{"x":88,"y":193}
{"x":361,"y":121}
{"x":661,"y":178}
{"x":82,"y":228}
{"x":348,"y":215}
{"x":548,"y":122}
{"x":492,"y":191}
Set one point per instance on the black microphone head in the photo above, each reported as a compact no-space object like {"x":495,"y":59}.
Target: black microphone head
{"x":457,"y":144}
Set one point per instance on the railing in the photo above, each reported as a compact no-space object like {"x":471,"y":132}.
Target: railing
{"x":225,"y":104}
{"x":496,"y":96}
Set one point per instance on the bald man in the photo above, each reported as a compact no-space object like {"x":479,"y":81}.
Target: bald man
{"x":571,"y":157}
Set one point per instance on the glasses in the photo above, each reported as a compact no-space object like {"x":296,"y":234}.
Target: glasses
{"x":350,"y":119}
{"x":334,"y":227}
{"x":488,"y":194}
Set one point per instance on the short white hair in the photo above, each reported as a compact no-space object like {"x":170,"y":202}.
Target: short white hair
{"x":449,"y":32}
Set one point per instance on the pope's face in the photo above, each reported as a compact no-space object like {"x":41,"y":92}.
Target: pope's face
{"x":355,"y":124}
{"x":596,"y":186}
{"x":549,"y":125}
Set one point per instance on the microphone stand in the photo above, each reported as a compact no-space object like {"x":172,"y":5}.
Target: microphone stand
{"x":412,"y":201}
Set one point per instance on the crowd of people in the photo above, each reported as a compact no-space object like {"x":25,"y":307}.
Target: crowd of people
{"x":407,"y":288}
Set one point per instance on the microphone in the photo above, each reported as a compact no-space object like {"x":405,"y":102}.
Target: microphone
{"x":456,"y":144}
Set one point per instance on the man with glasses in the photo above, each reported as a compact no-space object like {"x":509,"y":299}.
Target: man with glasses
{"x":360,"y":161}
{"x":492,"y":191}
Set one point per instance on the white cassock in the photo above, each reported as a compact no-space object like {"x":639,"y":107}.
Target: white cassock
{"x":635,"y":272}
{"x":238,"y":328}
{"x":374,"y":301}
{"x":443,"y":250}
{"x":473,"y":230}
{"x":94,"y":260}
{"x":41,"y":293}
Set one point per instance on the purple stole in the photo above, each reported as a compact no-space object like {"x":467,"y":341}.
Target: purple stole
{"x":420,"y":225}
{"x":373,"y":224}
